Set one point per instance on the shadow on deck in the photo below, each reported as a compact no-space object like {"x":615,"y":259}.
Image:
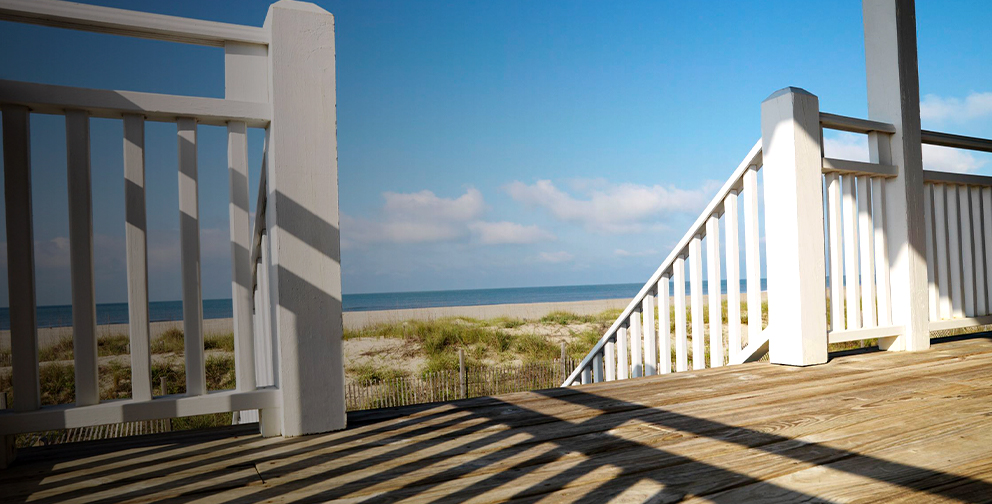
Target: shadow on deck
{"x":866,"y":426}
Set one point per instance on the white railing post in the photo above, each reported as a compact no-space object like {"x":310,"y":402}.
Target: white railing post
{"x":794,"y":245}
{"x":302,"y":218}
{"x":894,"y":97}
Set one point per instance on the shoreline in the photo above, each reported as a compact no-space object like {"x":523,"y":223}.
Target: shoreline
{"x":354,"y":320}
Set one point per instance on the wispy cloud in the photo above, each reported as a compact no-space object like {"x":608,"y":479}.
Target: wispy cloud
{"x":638,"y":253}
{"x":555,"y":257}
{"x":855,"y":147}
{"x":942,"y":109}
{"x":610,"y":208}
{"x":497,"y":233}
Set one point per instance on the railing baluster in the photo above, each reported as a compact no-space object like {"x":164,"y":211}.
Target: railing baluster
{"x":237,"y":171}
{"x":851,"y":263}
{"x":189,"y":239}
{"x":586,"y":375}
{"x":623,"y":368}
{"x":979,"y":256}
{"x":954,"y":252}
{"x":696,"y":288}
{"x":731,"y":222}
{"x":987,"y":233}
{"x":84,"y":345}
{"x":836,"y":243}
{"x":866,"y":241}
{"x":681,"y":344}
{"x":967,"y":252}
{"x":752,"y":254}
{"x":137,"y":256}
{"x":20,"y":258}
{"x":714,"y":295}
{"x":883,"y":289}
{"x":636,"y":360}
{"x":597,"y":367}
{"x":664,"y":326}
{"x":611,"y":360}
{"x":928,"y":223}
{"x":650,"y":339}
{"x":942,"y":265}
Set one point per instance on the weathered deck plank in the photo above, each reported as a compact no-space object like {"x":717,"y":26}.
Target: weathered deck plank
{"x":866,"y":427}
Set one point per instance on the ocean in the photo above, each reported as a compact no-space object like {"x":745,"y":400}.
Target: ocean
{"x":158,"y":311}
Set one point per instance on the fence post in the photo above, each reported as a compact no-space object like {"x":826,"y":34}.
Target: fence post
{"x":794,"y":245}
{"x":565,"y":371}
{"x":462,"y":379}
{"x":302,"y":218}
{"x":894,"y":97}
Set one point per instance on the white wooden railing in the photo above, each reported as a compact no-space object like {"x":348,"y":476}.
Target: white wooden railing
{"x":287,"y":326}
{"x":958,"y":220}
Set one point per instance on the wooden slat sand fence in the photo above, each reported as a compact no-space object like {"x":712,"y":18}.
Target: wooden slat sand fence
{"x":449,"y":385}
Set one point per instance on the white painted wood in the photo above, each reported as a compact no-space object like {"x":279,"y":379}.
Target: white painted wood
{"x":714,"y":297}
{"x":754,"y":350}
{"x":189,"y":258}
{"x":928,"y":221}
{"x":944,"y":325}
{"x":967,"y":251}
{"x":731,"y":223}
{"x":734,"y":183}
{"x":597,"y":368}
{"x":880,"y":151}
{"x":866,"y":241}
{"x":955,"y":274}
{"x":938,"y":177}
{"x":269,"y":334}
{"x":681,"y":342}
{"x":587,"y":373}
{"x":68,"y":416}
{"x":241,"y":266}
{"x":636,"y":358}
{"x":942,"y":263}
{"x":611,"y":360}
{"x":20,"y":258}
{"x":246,"y":72}
{"x":302,"y":218}
{"x":623,"y":363}
{"x":979,"y":242}
{"x":135,"y":237}
{"x":858,"y":168}
{"x":99,"y":19}
{"x":796,"y":268}
{"x":664,"y":326}
{"x":84,"y":345}
{"x":894,"y":97}
{"x":853,"y":124}
{"x":650,"y":337}
{"x":696,"y":309}
{"x":956,"y":141}
{"x":51,"y":99}
{"x":987,"y":233}
{"x":836,"y":238}
{"x":851,"y":263}
{"x":752,"y":254}
{"x":865,"y":333}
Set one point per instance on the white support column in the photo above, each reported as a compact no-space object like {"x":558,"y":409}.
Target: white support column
{"x":302,"y":217}
{"x":894,"y":97}
{"x":84,"y":344}
{"x":189,"y":258}
{"x":20,"y":258}
{"x":790,"y":133}
{"x":135,"y":236}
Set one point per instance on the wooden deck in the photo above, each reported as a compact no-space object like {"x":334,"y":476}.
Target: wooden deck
{"x":876,"y":426}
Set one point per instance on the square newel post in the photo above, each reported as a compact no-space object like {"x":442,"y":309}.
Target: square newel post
{"x":792,"y":166}
{"x":302,"y":218}
{"x":894,"y":97}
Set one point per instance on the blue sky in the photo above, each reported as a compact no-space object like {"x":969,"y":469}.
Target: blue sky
{"x":492,"y":144}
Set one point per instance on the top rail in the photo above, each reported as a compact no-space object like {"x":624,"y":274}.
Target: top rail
{"x":853,"y":124}
{"x":938,"y":177}
{"x":715,"y":206}
{"x":956,"y":141}
{"x":99,"y":19}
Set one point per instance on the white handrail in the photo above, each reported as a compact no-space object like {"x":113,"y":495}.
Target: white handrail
{"x":939,"y":177}
{"x":715,"y":207}
{"x":956,"y":141}
{"x":99,"y":19}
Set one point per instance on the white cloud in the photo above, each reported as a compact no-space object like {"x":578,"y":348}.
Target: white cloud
{"x":855,"y":147}
{"x":425,"y":205}
{"x":610,"y":208}
{"x":495,"y":233}
{"x":938,"y":109}
{"x":555,"y":257}
{"x":640,"y":253}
